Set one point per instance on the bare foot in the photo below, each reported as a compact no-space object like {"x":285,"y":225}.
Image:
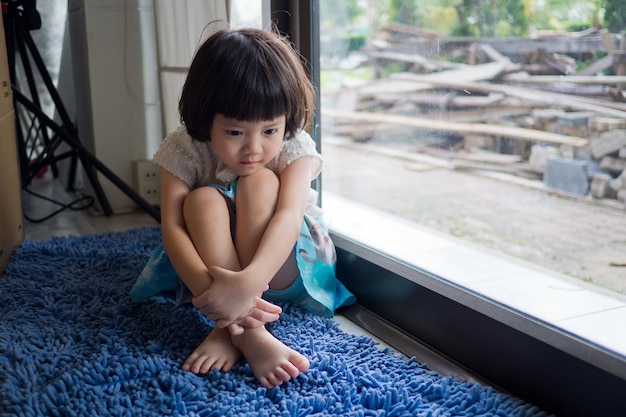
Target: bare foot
{"x":271,"y":361}
{"x":216,"y":352}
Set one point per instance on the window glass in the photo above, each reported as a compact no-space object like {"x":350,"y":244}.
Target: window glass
{"x":497,"y":126}
{"x":246,"y":13}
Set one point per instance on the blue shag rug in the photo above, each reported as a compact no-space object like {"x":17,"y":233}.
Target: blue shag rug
{"x":73,"y":344}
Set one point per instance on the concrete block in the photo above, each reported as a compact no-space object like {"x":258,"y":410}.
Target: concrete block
{"x":539,"y":155}
{"x":618,"y":183}
{"x":600,"y":186}
{"x":604,"y":124}
{"x":545,"y":115}
{"x":612,"y":165}
{"x":569,"y":175}
{"x":608,"y":142}
{"x":545,"y":119}
{"x":472,"y":141}
{"x":574,"y":119}
{"x":577,"y":131}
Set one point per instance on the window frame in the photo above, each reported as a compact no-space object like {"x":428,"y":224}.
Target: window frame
{"x":542,"y":364}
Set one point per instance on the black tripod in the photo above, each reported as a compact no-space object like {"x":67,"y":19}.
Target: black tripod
{"x":20,"y":17}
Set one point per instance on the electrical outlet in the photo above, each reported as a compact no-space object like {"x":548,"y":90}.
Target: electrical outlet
{"x":148,"y":181}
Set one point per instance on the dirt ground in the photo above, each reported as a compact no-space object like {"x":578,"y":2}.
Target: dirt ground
{"x":573,"y":236}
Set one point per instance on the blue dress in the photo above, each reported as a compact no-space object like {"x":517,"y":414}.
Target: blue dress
{"x":316,"y":289}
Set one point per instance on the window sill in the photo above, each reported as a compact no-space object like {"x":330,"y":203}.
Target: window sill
{"x":572,"y":316}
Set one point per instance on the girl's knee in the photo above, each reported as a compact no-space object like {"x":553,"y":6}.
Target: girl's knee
{"x":263,"y":184}
{"x":201,"y":199}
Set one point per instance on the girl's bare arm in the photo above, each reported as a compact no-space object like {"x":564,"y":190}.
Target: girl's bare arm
{"x":227,"y":303}
{"x":184,"y":256}
{"x":176,"y":240}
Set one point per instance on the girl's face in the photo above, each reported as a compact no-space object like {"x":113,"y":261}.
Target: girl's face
{"x":245,"y":147}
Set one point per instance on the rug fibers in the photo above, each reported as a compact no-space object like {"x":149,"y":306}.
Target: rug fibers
{"x":73,"y":344}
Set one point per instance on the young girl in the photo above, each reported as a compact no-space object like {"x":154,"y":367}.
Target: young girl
{"x":239,"y":218}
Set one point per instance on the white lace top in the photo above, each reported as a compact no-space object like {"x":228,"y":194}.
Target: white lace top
{"x":196,"y":164}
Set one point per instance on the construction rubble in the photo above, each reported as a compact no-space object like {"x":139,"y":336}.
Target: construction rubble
{"x":545,"y":111}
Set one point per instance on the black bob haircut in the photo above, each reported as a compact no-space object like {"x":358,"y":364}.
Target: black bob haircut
{"x":246,"y":74}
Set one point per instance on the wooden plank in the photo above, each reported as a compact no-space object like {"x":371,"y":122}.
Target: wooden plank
{"x":364,"y":131}
{"x":574,"y":79}
{"x":420,"y":60}
{"x":491,"y":52}
{"x":528,"y":94}
{"x":607,"y":41}
{"x":440,"y":100}
{"x":567,"y":45}
{"x":469,"y":73}
{"x":475,"y":156}
{"x":510,"y":164}
{"x":489,"y":157}
{"x":475,"y":116}
{"x":413,"y":30}
{"x":462,"y":164}
{"x":598,"y":66}
{"x":503,"y":131}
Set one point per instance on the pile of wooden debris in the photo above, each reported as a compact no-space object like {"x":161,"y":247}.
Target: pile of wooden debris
{"x":513,"y":105}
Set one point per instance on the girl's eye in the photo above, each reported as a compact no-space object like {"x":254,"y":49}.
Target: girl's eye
{"x":271,"y":131}
{"x":233,"y":132}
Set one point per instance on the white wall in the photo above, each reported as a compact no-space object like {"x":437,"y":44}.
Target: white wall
{"x":118,"y":109}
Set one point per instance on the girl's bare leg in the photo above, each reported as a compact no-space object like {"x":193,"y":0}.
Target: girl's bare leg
{"x":208,"y":224}
{"x":271,"y":361}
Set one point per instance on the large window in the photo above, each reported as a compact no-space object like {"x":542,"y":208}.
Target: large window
{"x":485,"y":143}
{"x":473,"y":179}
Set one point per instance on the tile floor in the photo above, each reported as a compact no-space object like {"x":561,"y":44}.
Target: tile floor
{"x":70,"y":222}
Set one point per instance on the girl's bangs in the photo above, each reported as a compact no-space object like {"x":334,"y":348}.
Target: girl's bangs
{"x":253,"y":97}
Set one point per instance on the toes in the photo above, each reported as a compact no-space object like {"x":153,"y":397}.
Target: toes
{"x":206,"y":365}
{"x":301,"y":363}
{"x":283,"y":375}
{"x":279,"y":376}
{"x":266,"y":383}
{"x":291,"y":371}
{"x":220,"y":365}
{"x":226,"y":367}
{"x":198,"y":364}
{"x":189,"y":362}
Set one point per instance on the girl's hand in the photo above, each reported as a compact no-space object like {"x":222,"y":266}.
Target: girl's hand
{"x":232,"y":299}
{"x":262,"y":312}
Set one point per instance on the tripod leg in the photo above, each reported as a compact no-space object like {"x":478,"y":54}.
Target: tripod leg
{"x":9,"y":29}
{"x":95,"y":183}
{"x":21,"y":33}
{"x":25,"y":42}
{"x":89,"y":161}
{"x":45,"y":76}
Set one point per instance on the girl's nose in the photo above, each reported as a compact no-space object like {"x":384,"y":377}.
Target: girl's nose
{"x":253,"y":144}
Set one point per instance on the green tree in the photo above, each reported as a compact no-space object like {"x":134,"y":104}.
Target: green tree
{"x":339,"y":14}
{"x":489,"y":18}
{"x":615,"y":15}
{"x":403,"y":11}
